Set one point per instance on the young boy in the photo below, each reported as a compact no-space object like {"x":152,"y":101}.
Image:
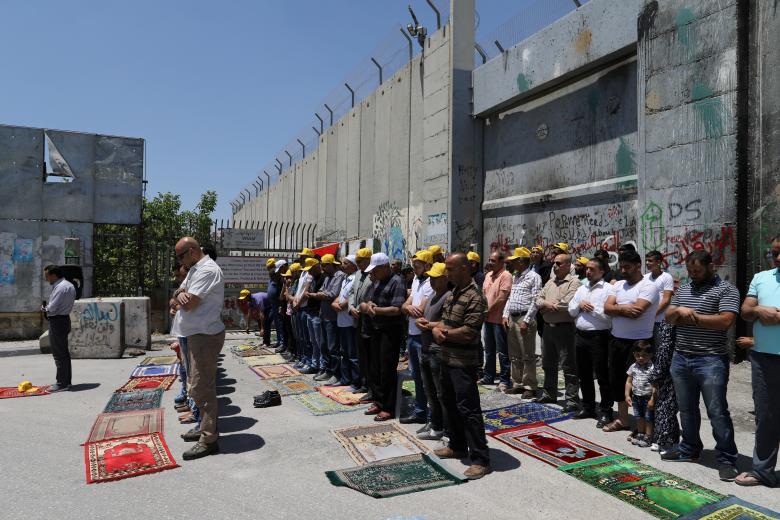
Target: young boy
{"x":640,"y":394}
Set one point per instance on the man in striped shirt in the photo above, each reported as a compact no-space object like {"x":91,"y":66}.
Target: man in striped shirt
{"x":703,"y":311}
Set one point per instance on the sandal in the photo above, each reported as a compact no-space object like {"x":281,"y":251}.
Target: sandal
{"x":747,"y":479}
{"x":615,"y":426}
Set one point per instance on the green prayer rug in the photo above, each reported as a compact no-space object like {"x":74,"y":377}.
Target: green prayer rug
{"x":319,"y":404}
{"x":656,"y":492}
{"x":732,"y":508}
{"x":398,"y":476}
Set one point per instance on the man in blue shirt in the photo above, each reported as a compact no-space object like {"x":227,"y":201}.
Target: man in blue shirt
{"x":63,"y":294}
{"x":762,"y":307}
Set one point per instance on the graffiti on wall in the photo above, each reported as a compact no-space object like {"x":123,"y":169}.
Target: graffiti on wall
{"x":436,"y":230}
{"x":387,"y":229}
{"x":97,"y":324}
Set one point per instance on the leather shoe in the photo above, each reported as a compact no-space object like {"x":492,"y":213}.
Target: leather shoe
{"x":201,"y":450}
{"x":321,"y":376}
{"x":585,"y":414}
{"x":545,"y":399}
{"x":306,"y":369}
{"x":449,"y":453}
{"x":268,"y":399}
{"x":373,"y":410}
{"x":191,"y":436}
{"x":383,"y":416}
{"x":412,"y":419}
{"x":528,"y":394}
{"x":476,"y":471}
{"x":366,"y":398}
{"x":571,"y":407}
{"x":604,"y":420}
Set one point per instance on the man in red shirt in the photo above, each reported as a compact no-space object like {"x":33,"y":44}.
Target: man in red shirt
{"x":496,"y":288}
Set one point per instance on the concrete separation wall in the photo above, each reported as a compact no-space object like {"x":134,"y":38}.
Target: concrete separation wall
{"x":97,"y":328}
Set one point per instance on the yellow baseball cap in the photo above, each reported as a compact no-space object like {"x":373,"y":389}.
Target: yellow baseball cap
{"x":437,"y":270}
{"x":330,"y":259}
{"x":244,"y":294}
{"x":563,"y":246}
{"x":270,"y":262}
{"x":473,"y":256}
{"x":424,"y":256}
{"x":364,"y":253}
{"x":520,"y":252}
{"x":311,"y":262}
{"x":287,"y":274}
{"x":306,"y":252}
{"x":583,"y":260}
{"x":537,"y":249}
{"x":435,"y":249}
{"x":294,"y":268}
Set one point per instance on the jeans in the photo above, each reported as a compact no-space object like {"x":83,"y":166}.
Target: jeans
{"x":766,"y":389}
{"x":276,"y":319}
{"x":329,"y":357}
{"x":420,"y":400}
{"x":708,"y":376}
{"x":430,"y":370}
{"x":495,"y":341}
{"x":315,"y":341}
{"x":350,"y":373}
{"x":463,"y":413}
{"x":641,"y":409}
{"x":592,"y":349}
{"x":304,"y":348}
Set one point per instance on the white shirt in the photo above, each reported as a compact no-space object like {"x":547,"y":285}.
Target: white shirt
{"x":303,"y":281}
{"x":597,"y":295}
{"x":665,"y":282}
{"x":625,"y":294}
{"x":175,"y":328}
{"x":203,"y":280}
{"x":61,"y":299}
{"x":344,"y":319}
{"x":420,"y":291}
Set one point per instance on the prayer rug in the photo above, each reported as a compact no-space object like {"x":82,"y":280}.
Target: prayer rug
{"x":159,"y":360}
{"x":244,"y":347}
{"x":550,"y":445}
{"x":257,"y":351}
{"x":398,"y":476}
{"x":732,"y":508}
{"x":318,"y":404}
{"x":7,"y":392}
{"x":521,"y":414}
{"x":148,"y":383}
{"x":127,"y":457}
{"x":495,"y":399}
{"x":375,"y":442}
{"x":295,"y":385}
{"x":341,"y":394}
{"x":126,"y":424}
{"x":155,"y":370}
{"x":274,"y":371}
{"x":656,"y":492}
{"x":135,"y":400}
{"x":262,"y":361}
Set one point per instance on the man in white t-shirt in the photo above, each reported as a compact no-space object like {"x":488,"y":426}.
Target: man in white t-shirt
{"x":663,"y":282}
{"x":633,"y":304}
{"x":200,"y":298}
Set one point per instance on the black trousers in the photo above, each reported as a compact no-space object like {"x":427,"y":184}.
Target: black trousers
{"x":385,"y":348}
{"x":463,"y":413}
{"x":593,"y":356}
{"x":364,"y":360}
{"x":59,"y":328}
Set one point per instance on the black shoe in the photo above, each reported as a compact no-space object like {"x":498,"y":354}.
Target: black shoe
{"x":545,"y":399}
{"x":727,"y":472}
{"x":266,"y":401}
{"x":425,"y":428}
{"x":201,"y":450}
{"x":412,"y":419}
{"x":180,"y":399}
{"x":191,"y":436}
{"x":368,"y":398}
{"x":308,"y":370}
{"x":571,"y":407}
{"x":321,"y":376}
{"x":585,"y":414}
{"x":675,"y":455}
{"x":604,"y":419}
{"x":361,"y":390}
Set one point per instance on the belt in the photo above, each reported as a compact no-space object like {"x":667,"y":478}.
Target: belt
{"x":593,"y":332}
{"x":559,"y":324}
{"x":60,"y":316}
{"x":518,"y":313}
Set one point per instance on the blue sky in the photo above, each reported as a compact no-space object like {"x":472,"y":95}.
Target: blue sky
{"x":217,"y":89}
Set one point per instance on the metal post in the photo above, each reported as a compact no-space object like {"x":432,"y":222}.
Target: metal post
{"x":289,"y":156}
{"x":411,"y":45}
{"x":316,"y":131}
{"x":500,"y":48}
{"x":351,"y":92}
{"x":279,"y":165}
{"x":331,"y":113}
{"x":268,"y":196}
{"x":243,"y":199}
{"x":322,"y":123}
{"x":380,"y":70}
{"x":303,"y":147}
{"x":262,"y":184}
{"x":577,"y":3}
{"x":481,"y":52}
{"x":438,"y":14}
{"x":257,"y":188}
{"x":248,"y":194}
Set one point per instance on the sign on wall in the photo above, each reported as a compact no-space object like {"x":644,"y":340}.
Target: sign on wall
{"x":246,"y":270}
{"x":243,"y":239}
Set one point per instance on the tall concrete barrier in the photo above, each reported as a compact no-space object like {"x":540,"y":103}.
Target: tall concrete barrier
{"x":97,"y":328}
{"x":138,"y":326}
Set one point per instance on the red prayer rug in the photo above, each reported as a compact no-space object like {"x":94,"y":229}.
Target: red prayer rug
{"x":126,"y":424}
{"x":148,"y":383}
{"x":550,"y":445}
{"x":7,"y":392}
{"x":127,"y":457}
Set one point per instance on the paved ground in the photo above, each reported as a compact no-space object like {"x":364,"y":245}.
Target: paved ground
{"x":273,"y":460}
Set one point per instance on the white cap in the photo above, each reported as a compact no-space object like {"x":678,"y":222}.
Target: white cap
{"x":376,"y":260}
{"x":352,"y":259}
{"x":280,"y":265}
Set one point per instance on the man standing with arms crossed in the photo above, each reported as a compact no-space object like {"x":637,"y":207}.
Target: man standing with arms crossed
{"x":200,"y":298}
{"x":63,"y":294}
{"x":360,"y":293}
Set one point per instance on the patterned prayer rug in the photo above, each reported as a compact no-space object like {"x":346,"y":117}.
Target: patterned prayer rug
{"x":155,"y":370}
{"x":550,"y":445}
{"x":127,"y":457}
{"x":656,"y":492}
{"x":521,"y":414}
{"x":262,"y":361}
{"x":375,"y":442}
{"x":8,"y":392}
{"x":159,"y":360}
{"x":135,"y":400}
{"x":148,"y":383}
{"x":494,"y":399}
{"x":126,"y":424}
{"x":341,"y":394}
{"x":398,"y":476}
{"x":274,"y":371}
{"x":318,"y":404}
{"x":257,"y":351}
{"x":244,"y":347}
{"x":732,"y":508}
{"x":295,"y":385}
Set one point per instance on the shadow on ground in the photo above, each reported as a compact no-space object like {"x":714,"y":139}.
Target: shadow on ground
{"x":83,"y":386}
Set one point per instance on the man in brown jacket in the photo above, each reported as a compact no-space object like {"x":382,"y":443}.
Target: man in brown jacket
{"x":553,"y":304}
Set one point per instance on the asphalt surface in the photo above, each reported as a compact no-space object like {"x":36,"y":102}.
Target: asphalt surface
{"x":273,"y":461}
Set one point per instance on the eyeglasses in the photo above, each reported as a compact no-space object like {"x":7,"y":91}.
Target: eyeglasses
{"x":558,"y":264}
{"x":179,"y":256}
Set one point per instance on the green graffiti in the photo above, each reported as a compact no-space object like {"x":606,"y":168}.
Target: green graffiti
{"x":685,"y":33}
{"x":652,"y":227}
{"x":523,"y":83}
{"x":625,"y":159}
{"x":708,"y":109}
